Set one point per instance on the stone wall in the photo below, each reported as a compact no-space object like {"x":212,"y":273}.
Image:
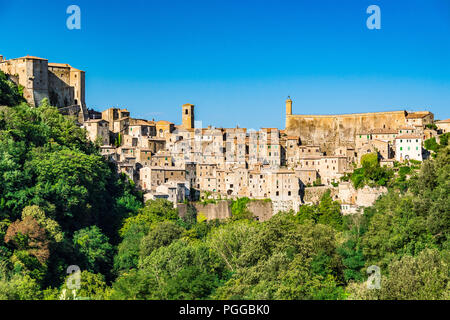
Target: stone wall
{"x":219,"y":210}
{"x":313,"y":194}
{"x":261,"y":209}
{"x":364,"y":197}
{"x":332,"y":131}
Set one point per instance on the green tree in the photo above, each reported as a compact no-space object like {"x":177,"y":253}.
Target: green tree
{"x":10,"y":94}
{"x":327,"y":212}
{"x":19,"y":288}
{"x":94,"y":249}
{"x":424,"y":277}
{"x":162,"y":234}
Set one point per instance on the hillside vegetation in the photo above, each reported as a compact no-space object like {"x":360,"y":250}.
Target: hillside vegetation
{"x":62,"y":204}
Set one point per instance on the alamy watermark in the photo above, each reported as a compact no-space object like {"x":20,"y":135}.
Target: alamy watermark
{"x":73,"y":22}
{"x":73,"y":284}
{"x":374,"y":20}
{"x":374,"y":280}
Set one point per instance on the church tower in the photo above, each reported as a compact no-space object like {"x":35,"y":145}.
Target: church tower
{"x":188,"y":116}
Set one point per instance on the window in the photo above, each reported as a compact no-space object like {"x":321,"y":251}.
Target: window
{"x":186,"y":111}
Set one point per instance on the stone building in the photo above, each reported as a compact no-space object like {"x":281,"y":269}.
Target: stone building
{"x":332,"y":131}
{"x":152,"y":177}
{"x":443,"y":125}
{"x":62,"y":84}
{"x":408,"y":147}
{"x":234,"y":162}
{"x":419,"y":119}
{"x":97,"y":129}
{"x":284,"y":190}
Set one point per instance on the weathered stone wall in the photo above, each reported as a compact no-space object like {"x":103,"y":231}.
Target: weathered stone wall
{"x":261,"y":209}
{"x":364,"y":197}
{"x":219,"y":210}
{"x":333,"y":131}
{"x":61,"y":94}
{"x":222,"y":209}
{"x":313,"y":194}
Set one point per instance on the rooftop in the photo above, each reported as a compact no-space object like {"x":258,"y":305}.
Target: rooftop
{"x":408,"y":136}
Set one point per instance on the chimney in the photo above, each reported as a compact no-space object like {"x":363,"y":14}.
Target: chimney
{"x":1,"y":58}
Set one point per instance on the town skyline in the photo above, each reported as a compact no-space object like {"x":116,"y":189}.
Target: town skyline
{"x":222,"y":155}
{"x":154,"y":58}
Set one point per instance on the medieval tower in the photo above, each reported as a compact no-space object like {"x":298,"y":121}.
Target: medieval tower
{"x":188,"y":116}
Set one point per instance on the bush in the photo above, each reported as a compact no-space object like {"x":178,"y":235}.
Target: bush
{"x":10,"y":93}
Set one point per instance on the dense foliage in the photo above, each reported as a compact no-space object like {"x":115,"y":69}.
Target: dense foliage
{"x":432,"y":145}
{"x":10,"y":93}
{"x":62,"y":204}
{"x":370,"y":173}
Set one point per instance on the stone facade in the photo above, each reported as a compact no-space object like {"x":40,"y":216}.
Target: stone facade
{"x":267,"y":165}
{"x":62,"y":84}
{"x":332,"y":131}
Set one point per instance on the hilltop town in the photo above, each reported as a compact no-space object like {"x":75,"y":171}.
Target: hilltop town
{"x":183,"y":162}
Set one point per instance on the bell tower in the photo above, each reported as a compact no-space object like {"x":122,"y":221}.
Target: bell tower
{"x":188,"y":116}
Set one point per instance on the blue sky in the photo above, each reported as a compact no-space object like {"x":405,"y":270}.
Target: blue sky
{"x":237,"y":61}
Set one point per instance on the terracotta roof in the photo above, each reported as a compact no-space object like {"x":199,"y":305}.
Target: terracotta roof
{"x":383,"y":131}
{"x":381,"y":141}
{"x":408,"y":136}
{"x":31,"y":58}
{"x":444,"y":121}
{"x":416,"y":115}
{"x":309,"y":146}
{"x":335,"y":156}
{"x":63,"y":65}
{"x":163,"y":122}
{"x":141,"y":122}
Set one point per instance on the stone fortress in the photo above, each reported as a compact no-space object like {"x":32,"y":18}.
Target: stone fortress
{"x":281,"y":168}
{"x":62,"y":84}
{"x":332,"y":131}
